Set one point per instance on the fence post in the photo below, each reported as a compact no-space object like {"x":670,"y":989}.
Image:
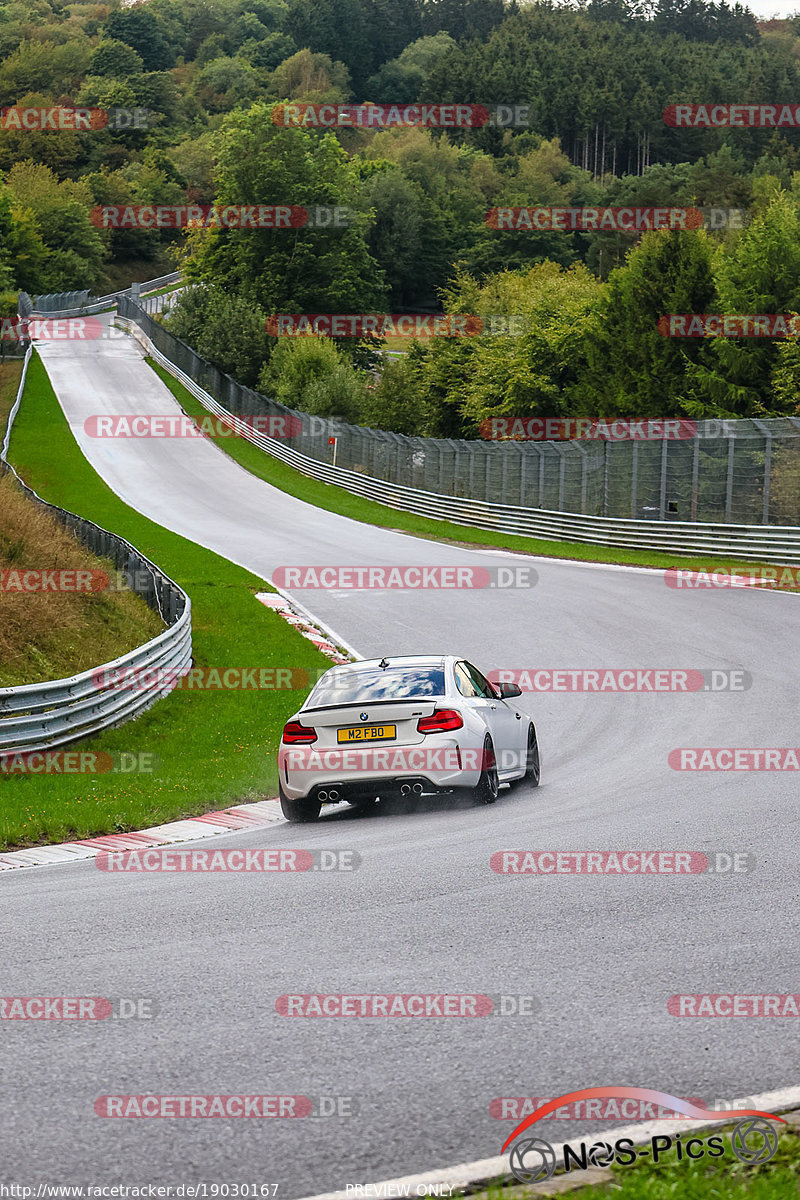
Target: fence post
{"x":695,"y":474}
{"x":729,"y":482}
{"x":767,"y":468}
{"x":583,"y":476}
{"x":662,"y":492}
{"x":635,"y":479}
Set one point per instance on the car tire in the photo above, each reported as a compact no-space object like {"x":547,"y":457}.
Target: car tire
{"x":298,"y":811}
{"x":533,"y":766}
{"x":488,"y":786}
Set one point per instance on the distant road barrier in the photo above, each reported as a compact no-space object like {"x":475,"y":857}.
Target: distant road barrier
{"x":39,"y":716}
{"x":81,"y":304}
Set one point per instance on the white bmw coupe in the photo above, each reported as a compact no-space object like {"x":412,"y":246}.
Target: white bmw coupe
{"x":408,"y":726}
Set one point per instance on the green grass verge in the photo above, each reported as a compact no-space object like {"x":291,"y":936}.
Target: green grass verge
{"x":723,"y":1178}
{"x":213,"y":747}
{"x":338,"y":500}
{"x":9,"y":382}
{"x":170,"y":287}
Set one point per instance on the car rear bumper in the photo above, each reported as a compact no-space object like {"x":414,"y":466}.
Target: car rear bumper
{"x":439,"y":766}
{"x":406,"y":785}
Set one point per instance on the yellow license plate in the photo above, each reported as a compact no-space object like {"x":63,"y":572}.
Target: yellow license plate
{"x":367,"y":733}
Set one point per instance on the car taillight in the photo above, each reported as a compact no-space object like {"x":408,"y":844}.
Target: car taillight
{"x":294,"y":732}
{"x":440,"y":720}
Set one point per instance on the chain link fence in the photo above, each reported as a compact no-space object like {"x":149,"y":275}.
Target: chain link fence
{"x":742,"y":472}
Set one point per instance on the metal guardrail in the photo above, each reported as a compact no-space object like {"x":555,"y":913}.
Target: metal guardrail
{"x":81,"y":304}
{"x":777,"y":543}
{"x":41,"y":716}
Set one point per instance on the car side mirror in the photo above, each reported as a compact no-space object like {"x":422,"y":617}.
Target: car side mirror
{"x":507,"y":691}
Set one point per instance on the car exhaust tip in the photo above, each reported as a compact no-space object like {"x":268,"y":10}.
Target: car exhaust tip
{"x":333,"y":794}
{"x":405,"y":789}
{"x":323,"y":796}
{"x":417,"y":789}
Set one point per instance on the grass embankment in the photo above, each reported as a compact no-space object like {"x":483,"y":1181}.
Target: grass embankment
{"x":338,"y":500}
{"x":214,"y":747}
{"x":723,"y":1178}
{"x":52,"y":634}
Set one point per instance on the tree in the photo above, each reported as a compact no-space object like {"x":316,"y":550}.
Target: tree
{"x":268,"y":53}
{"x":139,"y":28}
{"x":758,"y":272}
{"x":395,"y":231}
{"x":530,"y":370}
{"x":6,"y":239}
{"x":116,"y":59}
{"x":632,"y":369}
{"x":43,"y":67}
{"x":226,"y":330}
{"x":312,"y":374}
{"x":338,"y":28}
{"x":400,"y":80}
{"x":75,"y":249}
{"x":399,"y":401}
{"x":226,"y":83}
{"x":297,"y":269}
{"x":314,"y":78}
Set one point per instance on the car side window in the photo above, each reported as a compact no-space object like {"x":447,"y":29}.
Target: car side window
{"x":481,"y":684}
{"x":464,"y":682}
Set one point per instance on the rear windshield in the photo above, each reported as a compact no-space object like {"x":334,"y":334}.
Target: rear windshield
{"x":372,"y":683}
